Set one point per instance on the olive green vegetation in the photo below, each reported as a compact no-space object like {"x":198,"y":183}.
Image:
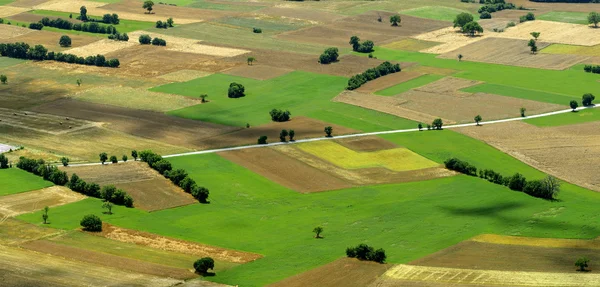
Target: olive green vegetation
{"x":14,"y":180}
{"x":124,"y":26}
{"x":414,"y":83}
{"x":566,"y":17}
{"x":7,"y":62}
{"x":582,"y":116}
{"x":408,"y":220}
{"x":436,"y":13}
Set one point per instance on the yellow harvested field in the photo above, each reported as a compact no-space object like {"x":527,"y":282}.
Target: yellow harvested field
{"x":554,"y":32}
{"x":6,"y":11}
{"x":451,"y":39}
{"x":101,"y":47}
{"x":184,"y":75}
{"x":487,"y":277}
{"x":190,"y":45}
{"x":10,"y":31}
{"x":410,"y":44}
{"x":539,"y":242}
{"x":15,"y":204}
{"x":398,"y":159}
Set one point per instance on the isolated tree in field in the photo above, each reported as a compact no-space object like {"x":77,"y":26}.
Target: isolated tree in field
{"x":330,"y":55}
{"x":533,"y":46}
{"x":317,"y":231}
{"x":262,"y":140}
{"x":477,"y":119}
{"x":462,"y":19}
{"x":251,"y":60}
{"x":91,"y":222}
{"x":3,"y":161}
{"x":395,"y":19}
{"x":437,"y":124}
{"x":236,"y":90}
{"x":522,"y":110}
{"x":45,"y":214}
{"x":65,"y":41}
{"x":282,"y":135}
{"x":145,"y":39}
{"x":582,"y":263}
{"x":108,"y":205}
{"x":472,"y":28}
{"x":103,"y":157}
{"x":328,"y":131}
{"x":573,"y":104}
{"x":535,"y":35}
{"x":64,"y":161}
{"x":587,"y":99}
{"x":594,"y":18}
{"x":148,"y":6}
{"x":203,"y":98}
{"x":78,"y":82}
{"x":460,"y":56}
{"x":202,"y":265}
{"x":134,"y":154}
{"x":113,"y":159}
{"x":124,"y":158}
{"x":83,"y":14}
{"x":355,"y":42}
{"x":3,"y":79}
{"x":420,"y":126}
{"x":170,"y":22}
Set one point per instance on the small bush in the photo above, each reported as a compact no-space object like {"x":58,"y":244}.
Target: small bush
{"x":485,"y":15}
{"x":145,"y":39}
{"x":202,"y":265}
{"x":257,"y":30}
{"x":36,"y":26}
{"x":91,"y":223}
{"x":366,"y":252}
{"x":159,"y":42}
{"x":236,"y":90}
{"x":330,"y":55}
{"x":262,"y":140}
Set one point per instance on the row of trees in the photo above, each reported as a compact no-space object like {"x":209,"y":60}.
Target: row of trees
{"x":119,"y":37}
{"x":106,"y":18}
{"x":284,"y":133}
{"x":166,"y":24}
{"x":92,"y":27}
{"x":40,"y":53}
{"x":40,"y":168}
{"x":108,"y":193}
{"x":366,"y":252}
{"x":178,"y":176}
{"x":147,"y":40}
{"x":3,"y":161}
{"x":592,"y":69}
{"x":364,"y":47}
{"x":546,"y":188}
{"x":383,"y":69}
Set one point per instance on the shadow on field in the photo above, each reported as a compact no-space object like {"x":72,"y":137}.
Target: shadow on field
{"x":490,"y":211}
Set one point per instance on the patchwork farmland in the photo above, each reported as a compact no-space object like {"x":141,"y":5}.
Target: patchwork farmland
{"x":299,"y":143}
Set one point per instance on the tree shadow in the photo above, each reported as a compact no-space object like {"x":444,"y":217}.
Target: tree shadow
{"x":489,"y":211}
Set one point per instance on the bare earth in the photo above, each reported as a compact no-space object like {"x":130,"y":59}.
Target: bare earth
{"x":388,"y":81}
{"x":15,"y":204}
{"x":101,"y":47}
{"x":179,"y":44}
{"x":555,"y":32}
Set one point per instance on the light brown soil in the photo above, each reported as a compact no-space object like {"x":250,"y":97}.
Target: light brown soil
{"x":147,"y":124}
{"x":184,"y":75}
{"x":258,"y":72}
{"x":569,"y":7}
{"x":285,"y":170}
{"x":448,"y":86}
{"x":554,"y":32}
{"x":388,"y":81}
{"x":451,"y":38}
{"x":108,"y":260}
{"x":514,"y":52}
{"x":31,"y":18}
{"x":366,"y":144}
{"x":312,"y":15}
{"x":15,"y":204}
{"x":549,"y":149}
{"x":348,"y":272}
{"x":102,"y":47}
{"x":14,"y":232}
{"x":41,"y":122}
{"x":22,"y":267}
{"x":11,"y":31}
{"x":8,"y":11}
{"x":26,"y":3}
{"x":50,"y":40}
{"x":179,"y":44}
{"x":537,"y":241}
{"x":175,"y":245}
{"x":411,"y":44}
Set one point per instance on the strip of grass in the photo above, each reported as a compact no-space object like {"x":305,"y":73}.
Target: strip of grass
{"x":5,"y":2}
{"x":124,"y":26}
{"x":436,"y":13}
{"x":403,"y":87}
{"x":520,"y":93}
{"x":408,"y":220}
{"x":14,"y":180}
{"x":566,"y":17}
{"x":579,"y":117}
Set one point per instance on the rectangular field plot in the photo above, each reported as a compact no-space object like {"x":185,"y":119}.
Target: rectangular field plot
{"x":14,"y":180}
{"x":410,"y":44}
{"x":515,"y":92}
{"x":566,"y":17}
{"x":435,"y":12}
{"x":562,"y":49}
{"x":411,"y":84}
{"x":579,"y":117}
{"x":46,"y":123}
{"x":15,"y":204}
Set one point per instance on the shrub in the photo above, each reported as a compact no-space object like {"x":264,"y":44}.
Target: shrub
{"x":236,"y":90}
{"x":529,"y":17}
{"x":145,"y":39}
{"x":517,"y":182}
{"x":91,"y":223}
{"x":65,"y":41}
{"x":257,"y":30}
{"x":587,"y":99}
{"x":159,"y":42}
{"x":460,"y":166}
{"x":262,"y":140}
{"x":280,"y":115}
{"x":364,"y":47}
{"x":366,"y":252}
{"x":485,"y":15}
{"x":330,"y":55}
{"x":36,"y":26}
{"x":200,"y":193}
{"x":202,"y":265}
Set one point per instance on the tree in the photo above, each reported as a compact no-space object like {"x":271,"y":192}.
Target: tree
{"x":78,"y":82}
{"x":203,"y":98}
{"x":573,"y":104}
{"x":437,"y":124}
{"x":45,"y":214}
{"x":472,"y":28}
{"x":532,"y":45}
{"x":517,"y":182}
{"x":159,"y":42}
{"x":355,"y":42}
{"x":594,"y":18}
{"x":551,"y":186}
{"x":170,"y":22}
{"x":202,"y":265}
{"x":587,"y":99}
{"x":251,"y":60}
{"x":3,"y":79}
{"x":262,"y":140}
{"x":200,"y":193}
{"x":582,"y":263}
{"x":330,"y":55}
{"x":3,"y":161}
{"x":420,"y":126}
{"x":64,"y":161}
{"x":148,"y":6}
{"x":113,"y":159}
{"x":485,"y":15}
{"x":328,"y":131}
{"x":292,"y":133}
{"x":379,"y":256}
{"x":145,"y":39}
{"x":460,"y":56}
{"x":83,"y":14}
{"x":317,"y":231}
{"x":91,"y":222}
{"x":462,"y":19}
{"x":236,"y":90}
{"x":477,"y":119}
{"x":124,"y":158}
{"x":134,"y":154}
{"x":522,"y":110}
{"x":278,"y":115}
{"x":103,"y":157}
{"x":108,"y":205}
{"x":282,"y":135}
{"x":38,"y":52}
{"x":395,"y":19}
{"x":535,"y":35}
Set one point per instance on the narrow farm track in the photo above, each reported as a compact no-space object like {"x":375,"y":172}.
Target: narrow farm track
{"x":359,"y":135}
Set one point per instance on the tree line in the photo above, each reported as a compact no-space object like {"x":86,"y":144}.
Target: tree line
{"x":366,"y":252}
{"x":22,"y":50}
{"x":383,"y":69}
{"x":92,"y":27}
{"x":546,"y":188}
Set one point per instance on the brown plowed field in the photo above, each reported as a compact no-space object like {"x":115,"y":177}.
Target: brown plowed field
{"x":328,"y":35}
{"x":102,"y":47}
{"x":388,"y":81}
{"x":150,"y":190}
{"x":175,"y":245}
{"x":549,"y":149}
{"x":347,"y":272}
{"x":368,"y":143}
{"x":8,"y":11}
{"x":258,"y":72}
{"x":40,"y":122}
{"x":108,"y":260}
{"x":513,"y":52}
{"x":15,"y":204}
{"x":50,"y":40}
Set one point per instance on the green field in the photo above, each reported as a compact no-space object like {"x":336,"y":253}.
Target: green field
{"x":408,"y":220}
{"x":403,"y":87}
{"x":436,"y":13}
{"x":124,"y":26}
{"x":14,"y":180}
{"x":4,"y":2}
{"x":583,"y":116}
{"x":572,"y":50}
{"x":566,"y":17}
{"x":520,"y":93}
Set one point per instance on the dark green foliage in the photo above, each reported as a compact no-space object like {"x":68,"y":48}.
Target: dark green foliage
{"x":292,"y":133}
{"x":64,"y":41}
{"x":329,"y":56}
{"x":36,"y":26}
{"x":148,"y":156}
{"x":485,"y":15}
{"x":460,"y":166}
{"x":587,"y":99}
{"x":40,"y":168}
{"x":529,"y":17}
{"x":383,"y":69}
{"x":113,"y":63}
{"x":176,"y":175}
{"x":517,"y":182}
{"x":113,"y":159}
{"x":119,"y":37}
{"x":532,"y":45}
{"x":437,"y":124}
{"x":328,"y":130}
{"x":117,"y":196}
{"x":492,"y":6}
{"x":124,"y":158}
{"x":202,"y":265}
{"x":64,"y":161}
{"x":3,"y":161}
{"x":39,"y":52}
{"x":280,"y":115}
{"x":462,"y":19}
{"x":200,"y":193}
{"x":161,"y":24}
{"x":257,"y":30}
{"x":364,"y":47}
{"x":159,"y":42}
{"x":82,"y":14}
{"x":573,"y":104}
{"x":134,"y":154}
{"x":92,"y":27}
{"x":236,"y":90}
{"x":162,"y":166}
{"x":3,"y":79}
{"x":282,"y":135}
{"x":103,"y":157}
{"x":366,"y":252}
{"x":170,"y":22}
{"x":420,"y":126}
{"x":92,"y":223}
{"x":472,"y":28}
{"x":148,"y":5}
{"x":395,"y":19}
{"x":145,"y":39}
{"x":477,"y":119}
{"x":262,"y":140}
{"x":582,"y":263}
{"x":110,"y":19}
{"x":594,"y":18}
{"x":92,"y":189}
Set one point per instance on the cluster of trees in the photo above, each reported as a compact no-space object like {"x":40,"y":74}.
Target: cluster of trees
{"x":467,"y":25}
{"x":280,"y":115}
{"x":262,"y":140}
{"x":533,"y":42}
{"x":546,"y":188}
{"x":236,"y":90}
{"x":36,"y":26}
{"x":330,"y":55}
{"x":592,"y":69}
{"x":40,"y":53}
{"x":587,"y":99}
{"x":92,"y":27}
{"x":40,"y":168}
{"x":147,"y":40}
{"x":178,"y":176}
{"x":366,"y":252}
{"x":529,"y":17}
{"x":203,"y":264}
{"x":364,"y":47}
{"x":107,"y":18}
{"x":383,"y":69}
{"x":491,"y":6}
{"x":284,"y":133}
{"x":3,"y":161}
{"x":166,"y":24}
{"x":119,"y":37}
{"x":108,"y":193}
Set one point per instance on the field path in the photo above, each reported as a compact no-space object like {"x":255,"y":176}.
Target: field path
{"x":360,"y":135}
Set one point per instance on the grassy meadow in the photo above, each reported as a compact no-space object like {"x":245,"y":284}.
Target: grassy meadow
{"x":436,"y":13}
{"x":583,"y":116}
{"x":14,"y":180}
{"x":403,"y":87}
{"x":566,"y":17}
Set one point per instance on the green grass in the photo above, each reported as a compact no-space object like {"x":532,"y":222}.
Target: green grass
{"x":6,"y":62}
{"x":124,"y":26}
{"x":583,"y":116}
{"x":14,"y":180}
{"x":4,"y":2}
{"x":566,"y":17}
{"x":572,"y":50}
{"x":520,"y":93}
{"x":436,"y":13}
{"x":408,"y":220}
{"x":403,"y":87}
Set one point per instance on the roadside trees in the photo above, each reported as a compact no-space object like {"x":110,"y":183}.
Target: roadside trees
{"x":328,"y":131}
{"x":64,"y":161}
{"x":113,"y":159}
{"x":594,"y":18}
{"x":395,"y":19}
{"x":420,"y":126}
{"x":103,"y":157}
{"x":573,"y":104}
{"x":262,"y":140}
{"x":292,"y":133}
{"x":477,"y":119}
{"x":202,"y":265}
{"x":3,"y":161}
{"x":587,"y":99}
{"x":437,"y":124}
{"x":91,"y":222}
{"x":282,"y":135}
{"x":124,"y":158}
{"x":522,"y":110}
{"x":134,"y":154}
